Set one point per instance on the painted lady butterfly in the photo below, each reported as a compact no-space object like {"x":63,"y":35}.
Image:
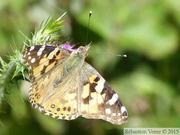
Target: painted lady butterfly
{"x":64,"y":86}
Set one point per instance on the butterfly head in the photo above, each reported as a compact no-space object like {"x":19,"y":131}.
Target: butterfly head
{"x":82,"y":51}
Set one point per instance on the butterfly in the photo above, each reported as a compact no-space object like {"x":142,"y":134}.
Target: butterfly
{"x":64,"y":86}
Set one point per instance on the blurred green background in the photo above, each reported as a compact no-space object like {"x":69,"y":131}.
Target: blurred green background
{"x":147,"y":81}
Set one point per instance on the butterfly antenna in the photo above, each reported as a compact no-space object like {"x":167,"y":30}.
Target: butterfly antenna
{"x":90,"y":13}
{"x":121,"y":55}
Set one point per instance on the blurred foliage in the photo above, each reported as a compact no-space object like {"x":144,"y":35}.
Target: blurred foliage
{"x":147,"y":80}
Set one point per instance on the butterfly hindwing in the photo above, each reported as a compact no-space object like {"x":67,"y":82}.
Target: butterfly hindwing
{"x":59,"y":104}
{"x":58,"y":101}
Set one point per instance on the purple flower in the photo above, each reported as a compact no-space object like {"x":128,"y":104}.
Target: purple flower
{"x":68,"y":47}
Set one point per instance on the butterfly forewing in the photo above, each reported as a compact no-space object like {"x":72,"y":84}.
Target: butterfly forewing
{"x":65,"y":87}
{"x":45,"y":93}
{"x":40,"y":59}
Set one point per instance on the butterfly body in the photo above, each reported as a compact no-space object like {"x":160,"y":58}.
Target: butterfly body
{"x":64,"y":86}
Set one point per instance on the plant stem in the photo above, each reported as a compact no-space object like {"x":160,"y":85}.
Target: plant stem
{"x":7,"y":77}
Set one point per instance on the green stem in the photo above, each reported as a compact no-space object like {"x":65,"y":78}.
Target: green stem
{"x":7,"y":77}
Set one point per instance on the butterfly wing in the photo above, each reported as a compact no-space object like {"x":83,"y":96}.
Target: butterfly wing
{"x":98,"y":99}
{"x":40,"y":59}
{"x":47,"y":93}
{"x":82,"y":92}
{"x":54,"y":98}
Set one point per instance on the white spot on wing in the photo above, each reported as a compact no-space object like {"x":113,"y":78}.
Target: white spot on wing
{"x":40,"y":50}
{"x":29,"y":57}
{"x":32,"y":48}
{"x":123,"y":109}
{"x":108,"y":111}
{"x":113,"y":99}
{"x":33,"y":60}
{"x":100,"y":85}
